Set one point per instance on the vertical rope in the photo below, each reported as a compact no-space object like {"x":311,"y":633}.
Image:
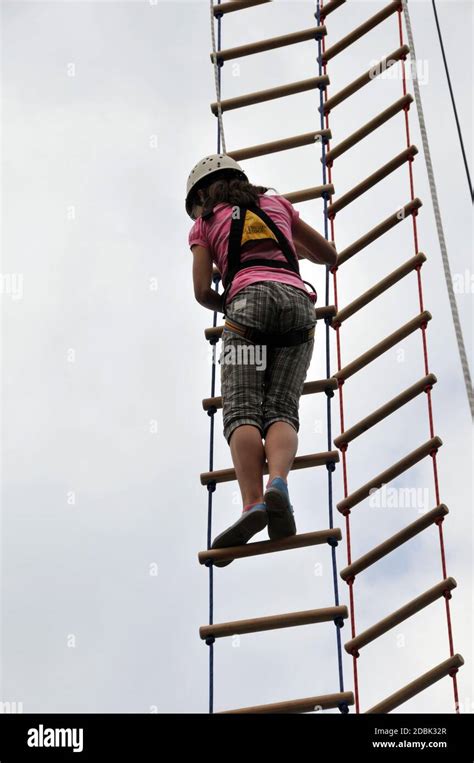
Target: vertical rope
{"x":217,"y":75}
{"x":330,"y":467}
{"x":211,"y":489}
{"x":325,"y":123}
{"x":437,"y":213}
{"x":212,"y":411}
{"x":420,"y":299}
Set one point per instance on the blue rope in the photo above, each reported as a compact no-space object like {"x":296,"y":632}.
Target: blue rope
{"x":328,"y":370}
{"x":211,"y":489}
{"x":211,"y":412}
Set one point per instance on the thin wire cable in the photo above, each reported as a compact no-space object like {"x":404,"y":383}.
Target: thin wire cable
{"x":452,"y":99}
{"x":319,"y":5}
{"x":439,"y":225}
{"x":217,"y":76}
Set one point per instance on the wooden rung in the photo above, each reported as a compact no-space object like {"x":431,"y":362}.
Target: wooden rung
{"x":328,"y":311}
{"x":389,"y":474}
{"x":368,"y":296}
{"x":260,"y":96}
{"x":365,"y":78}
{"x":236,"y":5}
{"x":284,"y":144}
{"x":418,"y":685}
{"x":366,"y":129}
{"x":361,"y":30}
{"x":386,"y":344}
{"x":403,"y":213}
{"x":212,"y":402}
{"x":300,"y":462}
{"x":270,"y":546}
{"x":310,"y":193}
{"x":385,"y":410}
{"x":271,"y":43}
{"x":273,"y":622}
{"x":309,"y":388}
{"x":371,"y":180}
{"x":321,"y":385}
{"x":306,"y":705}
{"x":395,"y":618}
{"x":329,"y":8}
{"x":389,"y":545}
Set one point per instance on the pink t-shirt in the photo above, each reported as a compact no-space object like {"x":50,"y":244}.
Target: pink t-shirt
{"x":214,"y":235}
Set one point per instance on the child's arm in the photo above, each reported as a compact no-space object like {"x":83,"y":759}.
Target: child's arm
{"x":316,"y":247}
{"x":301,"y":251}
{"x":202,"y":279}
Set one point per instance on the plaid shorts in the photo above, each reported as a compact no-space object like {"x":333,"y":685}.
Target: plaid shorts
{"x":262,"y":384}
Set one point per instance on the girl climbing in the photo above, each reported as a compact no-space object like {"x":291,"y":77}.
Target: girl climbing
{"x":254,"y":240}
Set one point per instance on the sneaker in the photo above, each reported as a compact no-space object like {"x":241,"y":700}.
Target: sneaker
{"x":281,"y":520}
{"x":250,"y":522}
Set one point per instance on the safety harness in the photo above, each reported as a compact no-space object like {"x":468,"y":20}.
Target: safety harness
{"x":250,"y":223}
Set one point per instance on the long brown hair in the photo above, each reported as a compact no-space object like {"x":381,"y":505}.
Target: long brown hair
{"x":229,"y":189}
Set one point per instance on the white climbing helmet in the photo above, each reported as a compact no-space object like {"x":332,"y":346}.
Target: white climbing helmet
{"x":207,"y":166}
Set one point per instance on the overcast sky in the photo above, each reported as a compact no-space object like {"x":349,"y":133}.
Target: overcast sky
{"x":105,"y":109}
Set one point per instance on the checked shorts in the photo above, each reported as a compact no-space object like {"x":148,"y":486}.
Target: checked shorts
{"x":261,"y":384}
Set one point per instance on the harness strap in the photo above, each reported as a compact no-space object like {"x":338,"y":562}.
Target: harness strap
{"x":288,"y":339}
{"x":234,"y":262}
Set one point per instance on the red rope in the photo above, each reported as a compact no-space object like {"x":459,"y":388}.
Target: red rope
{"x":348,"y":534}
{"x":353,"y":632}
{"x":426,"y":364}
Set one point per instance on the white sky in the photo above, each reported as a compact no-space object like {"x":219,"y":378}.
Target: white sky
{"x":103,"y":375}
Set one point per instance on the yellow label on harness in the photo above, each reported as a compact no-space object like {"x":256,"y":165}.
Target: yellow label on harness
{"x":254,"y":228}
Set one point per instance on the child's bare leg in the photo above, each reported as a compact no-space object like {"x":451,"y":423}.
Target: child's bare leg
{"x":248,"y":456}
{"x":281,"y":445}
